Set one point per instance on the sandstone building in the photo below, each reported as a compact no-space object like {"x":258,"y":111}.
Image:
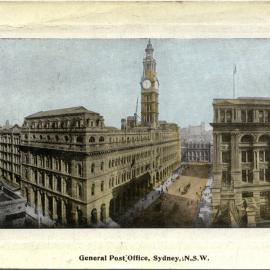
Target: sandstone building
{"x":10,"y":157}
{"x":241,"y":175}
{"x":80,"y":172}
{"x":196,"y":152}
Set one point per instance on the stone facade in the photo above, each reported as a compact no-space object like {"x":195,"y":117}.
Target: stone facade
{"x":241,"y":178}
{"x":196,"y":152}
{"x":10,"y":158}
{"x":80,"y":172}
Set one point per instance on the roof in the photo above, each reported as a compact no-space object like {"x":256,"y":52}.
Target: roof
{"x":243,"y":101}
{"x":71,"y":110}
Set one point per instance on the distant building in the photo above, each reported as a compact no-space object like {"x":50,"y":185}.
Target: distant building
{"x":196,"y":152}
{"x":196,"y":144}
{"x":12,"y":208}
{"x":241,"y":163}
{"x":10,"y":159}
{"x":196,"y":134}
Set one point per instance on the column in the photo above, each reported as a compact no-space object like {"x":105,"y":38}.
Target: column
{"x":256,"y":170}
{"x":45,"y":199}
{"x":63,"y":212}
{"x":38,"y":202}
{"x":54,"y":209}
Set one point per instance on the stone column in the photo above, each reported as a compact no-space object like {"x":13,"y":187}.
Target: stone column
{"x":54,"y":209}
{"x":256,"y":170}
{"x":38,"y":205}
{"x":46,"y":210}
{"x":63,"y":212}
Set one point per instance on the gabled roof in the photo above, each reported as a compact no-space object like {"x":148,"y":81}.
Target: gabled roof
{"x":58,"y":112}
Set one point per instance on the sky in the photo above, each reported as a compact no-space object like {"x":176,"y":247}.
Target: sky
{"x":104,"y":76}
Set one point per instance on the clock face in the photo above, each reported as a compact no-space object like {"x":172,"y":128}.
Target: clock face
{"x":156,"y":84}
{"x":146,"y":84}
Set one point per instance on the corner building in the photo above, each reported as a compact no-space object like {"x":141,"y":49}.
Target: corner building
{"x":80,"y":172}
{"x":241,"y":169}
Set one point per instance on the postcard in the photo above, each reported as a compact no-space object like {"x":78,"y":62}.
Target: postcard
{"x":134,"y":135}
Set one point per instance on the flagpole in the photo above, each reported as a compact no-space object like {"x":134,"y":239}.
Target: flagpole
{"x":234,"y":72}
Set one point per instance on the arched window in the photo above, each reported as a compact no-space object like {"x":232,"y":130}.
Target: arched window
{"x":264,"y":139}
{"x":102,"y":166}
{"x":92,"y":139}
{"x":93,"y":168}
{"x":79,"y":169}
{"x":247,"y":139}
{"x":66,"y":138}
{"x":79,"y":191}
{"x":102,"y":186}
{"x":79,"y":139}
{"x":101,"y":139}
{"x":57,"y":138}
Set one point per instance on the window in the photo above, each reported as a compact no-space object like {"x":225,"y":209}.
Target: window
{"x":228,"y":116}
{"x":226,"y":137}
{"x":101,"y":139}
{"x":79,"y":191}
{"x":226,"y":157}
{"x":247,"y":194}
{"x":93,"y":168}
{"x":226,"y":179}
{"x":102,"y":166}
{"x":261,"y":116}
{"x":261,"y":156}
{"x":79,"y":139}
{"x":93,"y":189}
{"x":247,"y":176}
{"x":79,"y":170}
{"x":66,"y":138}
{"x":222,"y":116}
{"x":250,"y":115}
{"x":243,"y":116}
{"x":102,"y":186}
{"x":50,"y":181}
{"x":69,"y":186}
{"x":59,"y":183}
{"x":247,"y":156}
{"x":92,"y":139}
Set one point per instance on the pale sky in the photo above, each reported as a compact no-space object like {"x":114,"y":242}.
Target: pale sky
{"x":104,"y":75}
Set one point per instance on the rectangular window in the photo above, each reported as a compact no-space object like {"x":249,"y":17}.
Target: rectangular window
{"x":228,"y":116}
{"x":225,"y":137}
{"x":93,"y":190}
{"x":267,"y":175}
{"x":222,"y":116}
{"x":226,"y":157}
{"x":226,"y":180}
{"x":244,"y":176}
{"x":261,"y":156}
{"x":243,"y":116}
{"x":249,"y":156}
{"x":261,"y":174}
{"x":250,"y":115}
{"x":250,"y":176}
{"x":247,"y":194}
{"x":261,"y":116}
{"x":244,"y":156}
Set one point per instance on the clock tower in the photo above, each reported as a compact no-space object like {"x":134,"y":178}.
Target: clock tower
{"x":149,"y":90}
